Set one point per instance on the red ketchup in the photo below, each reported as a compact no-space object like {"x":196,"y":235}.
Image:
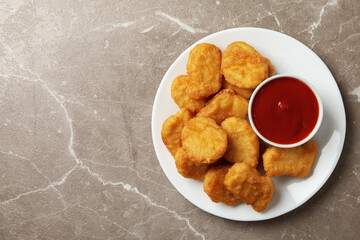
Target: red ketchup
{"x":285,"y":110}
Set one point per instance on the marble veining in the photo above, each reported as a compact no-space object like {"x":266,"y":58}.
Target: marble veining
{"x":77,"y":84}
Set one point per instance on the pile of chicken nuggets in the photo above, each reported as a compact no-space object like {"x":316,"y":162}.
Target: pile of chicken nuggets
{"x":210,"y":138}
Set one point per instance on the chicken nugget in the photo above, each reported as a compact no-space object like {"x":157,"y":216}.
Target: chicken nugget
{"x":178,"y":93}
{"x":244,"y":92}
{"x":225,"y":104}
{"x":172,"y":128}
{"x":295,"y":161}
{"x":187,"y":168}
{"x":271,"y":69}
{"x":214,"y":186}
{"x":203,"y":140}
{"x":243,"y":66}
{"x":246,"y":183}
{"x":203,"y":68}
{"x":243,"y":143}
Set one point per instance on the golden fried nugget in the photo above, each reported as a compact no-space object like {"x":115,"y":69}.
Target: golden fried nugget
{"x":214,"y":186}
{"x":244,"y":92}
{"x":203,"y":68}
{"x":243,"y":66}
{"x":178,"y":93}
{"x":225,"y":104}
{"x":187,"y":168}
{"x":271,"y":69}
{"x":203,"y":140}
{"x":246,"y":183}
{"x":295,"y":161}
{"x":243,"y":143}
{"x":172,"y":128}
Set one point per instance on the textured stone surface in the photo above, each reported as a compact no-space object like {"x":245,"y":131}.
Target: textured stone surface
{"x":77,"y":83}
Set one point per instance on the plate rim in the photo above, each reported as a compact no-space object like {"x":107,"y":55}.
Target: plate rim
{"x":342,"y":138}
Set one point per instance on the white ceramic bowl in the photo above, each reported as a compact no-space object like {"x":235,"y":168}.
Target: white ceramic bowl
{"x":311,"y":134}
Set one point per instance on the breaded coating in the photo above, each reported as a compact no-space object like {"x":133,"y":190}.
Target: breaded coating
{"x":295,"y":161}
{"x":187,"y":168}
{"x":271,"y":69}
{"x":246,"y":183}
{"x":225,"y":104}
{"x":243,"y":143}
{"x":243,"y":66}
{"x":203,"y":68}
{"x":172,"y":128}
{"x":214,"y":186}
{"x":178,"y":93}
{"x":244,"y":92}
{"x":203,"y":140}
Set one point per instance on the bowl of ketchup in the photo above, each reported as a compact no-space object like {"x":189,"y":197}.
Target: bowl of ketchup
{"x":285,"y":111}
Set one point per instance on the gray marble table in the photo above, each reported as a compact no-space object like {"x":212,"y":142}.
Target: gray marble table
{"x":77,"y":84}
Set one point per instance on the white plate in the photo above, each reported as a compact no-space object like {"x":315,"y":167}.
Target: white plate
{"x":288,"y":56}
